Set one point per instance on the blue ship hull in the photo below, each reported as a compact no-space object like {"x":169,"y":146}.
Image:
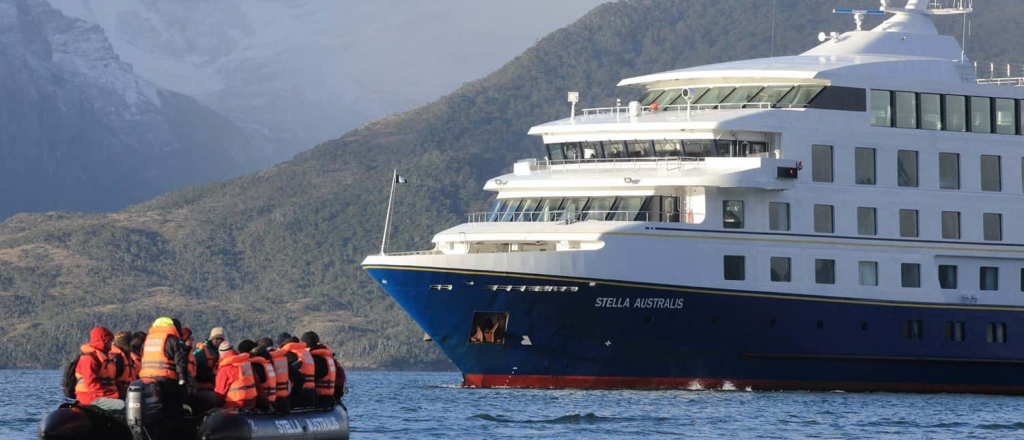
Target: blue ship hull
{"x":608,"y":334}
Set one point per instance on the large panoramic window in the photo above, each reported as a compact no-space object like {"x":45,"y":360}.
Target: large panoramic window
{"x":908,"y":223}
{"x":1006,"y":116}
{"x":906,"y":110}
{"x":993,"y":225}
{"x":778,"y":216}
{"x":715,"y":95}
{"x":740,"y":96}
{"x":866,"y":221}
{"x":951,"y":225}
{"x":732,"y":214}
{"x":780,"y":269}
{"x":668,"y":148}
{"x":981,"y":115}
{"x":864,"y":165}
{"x":823,"y":221}
{"x":906,"y":168}
{"x":931,"y":112}
{"x":650,"y":96}
{"x":768,"y":96}
{"x":668,"y":97}
{"x":881,"y":108}
{"x":825,"y":271}
{"x":949,"y":171}
{"x":947,"y":276}
{"x":697,"y":93}
{"x":821,"y":163}
{"x":910,"y":275}
{"x":800,"y":96}
{"x":956,"y":113}
{"x":991,"y":173}
{"x":598,"y":208}
{"x":614,"y":149}
{"x":640,"y":149}
{"x":735,"y":267}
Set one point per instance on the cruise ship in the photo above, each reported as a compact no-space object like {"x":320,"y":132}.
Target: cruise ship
{"x":844,"y":219}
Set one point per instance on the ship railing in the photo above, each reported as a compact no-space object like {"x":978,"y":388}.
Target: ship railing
{"x":614,"y":111}
{"x":987,"y":72}
{"x":620,"y":111}
{"x":558,"y":217}
{"x":667,"y":163}
{"x":413,"y":253}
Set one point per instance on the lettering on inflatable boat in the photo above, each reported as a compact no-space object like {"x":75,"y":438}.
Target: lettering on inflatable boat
{"x":315,"y":424}
{"x":639,"y":303}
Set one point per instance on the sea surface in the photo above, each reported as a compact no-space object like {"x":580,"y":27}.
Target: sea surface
{"x":397,"y":405}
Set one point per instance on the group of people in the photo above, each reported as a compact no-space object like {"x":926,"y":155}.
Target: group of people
{"x":270,"y":374}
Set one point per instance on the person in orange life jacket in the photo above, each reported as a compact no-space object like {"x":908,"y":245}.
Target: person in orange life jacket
{"x":301,"y":372}
{"x":235,"y":385}
{"x":189,"y":342}
{"x":97,"y":373}
{"x":266,"y":377}
{"x":127,"y":369}
{"x":325,"y":367}
{"x":138,"y":341}
{"x":279,"y":360}
{"x":165,"y":361}
{"x":206,"y":357}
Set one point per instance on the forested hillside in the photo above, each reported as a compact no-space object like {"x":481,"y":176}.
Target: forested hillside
{"x":280,"y":249}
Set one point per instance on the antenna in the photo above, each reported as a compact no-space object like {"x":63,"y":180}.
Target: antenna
{"x":773,"y":28}
{"x":858,"y":14}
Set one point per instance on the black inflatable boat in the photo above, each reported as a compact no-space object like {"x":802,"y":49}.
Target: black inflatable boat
{"x":144,"y":420}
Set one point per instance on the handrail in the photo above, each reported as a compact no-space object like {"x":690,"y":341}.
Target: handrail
{"x":562,"y":217}
{"x":618,"y":163}
{"x":987,"y":72}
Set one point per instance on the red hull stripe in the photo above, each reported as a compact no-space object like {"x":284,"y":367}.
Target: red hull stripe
{"x":594,"y":382}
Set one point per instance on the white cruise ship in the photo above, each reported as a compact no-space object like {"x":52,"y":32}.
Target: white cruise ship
{"x":844,"y":219}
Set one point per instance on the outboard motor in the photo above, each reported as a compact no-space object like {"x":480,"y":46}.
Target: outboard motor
{"x":144,"y":410}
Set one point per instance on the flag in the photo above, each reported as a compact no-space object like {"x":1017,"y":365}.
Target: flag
{"x":400,"y":179}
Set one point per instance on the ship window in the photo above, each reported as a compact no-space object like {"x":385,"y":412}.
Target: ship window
{"x":947,"y":276}
{"x":951,"y":225}
{"x":821,"y":161}
{"x":956,"y":113}
{"x":614,"y":149}
{"x":650,"y":96}
{"x":509,"y":211}
{"x":572,"y":151}
{"x":778,"y":216}
{"x":629,"y":209}
{"x":488,"y":328}
{"x":668,"y":148}
{"x":547,"y":211}
{"x":697,"y":148}
{"x":697,"y":93}
{"x":555,"y":152}
{"x":906,"y":110}
{"x":667,"y":97}
{"x":912,"y":330}
{"x":825,"y":271}
{"x":714,"y":96}
{"x":881,"y":108}
{"x":780,"y":269}
{"x":988,"y":278}
{"x":906,"y":168}
{"x":735,"y":267}
{"x":981,"y":115}
{"x":908,"y":223}
{"x":949,"y":171}
{"x":993,"y":225}
{"x":955,"y":331}
{"x":996,"y":333}
{"x":991,"y":173}
{"x":526,"y":211}
{"x":592,"y":150}
{"x":496,"y":210}
{"x":571,"y":208}
{"x":1006,"y":116}
{"x":640,"y":149}
{"x":768,"y":96}
{"x":868,"y":273}
{"x":866,"y":221}
{"x":864,"y":164}
{"x":910,"y":275}
{"x":823,"y":222}
{"x":732,"y":214}
{"x":800,"y":96}
{"x":931,"y":111}
{"x":1022,"y":280}
{"x":740,"y":96}
{"x":598,"y":208}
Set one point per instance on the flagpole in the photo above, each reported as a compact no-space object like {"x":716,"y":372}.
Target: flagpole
{"x":387,"y":219}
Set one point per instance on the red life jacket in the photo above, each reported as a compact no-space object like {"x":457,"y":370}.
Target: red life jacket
{"x":241,"y":392}
{"x":280,"y":361}
{"x":325,"y":385}
{"x":154,"y":361}
{"x":106,"y":377}
{"x":308,"y":369}
{"x":270,"y":385}
{"x":131,"y":369}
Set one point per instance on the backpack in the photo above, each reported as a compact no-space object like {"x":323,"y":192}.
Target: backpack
{"x":69,"y":380}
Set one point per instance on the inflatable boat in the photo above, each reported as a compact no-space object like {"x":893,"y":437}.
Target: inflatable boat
{"x":144,"y":419}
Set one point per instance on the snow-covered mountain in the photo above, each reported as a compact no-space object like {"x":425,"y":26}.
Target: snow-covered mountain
{"x":304,"y":71}
{"x":79,"y":130}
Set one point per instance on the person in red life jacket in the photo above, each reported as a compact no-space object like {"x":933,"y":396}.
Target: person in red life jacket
{"x":96,"y":373}
{"x":127,"y":369}
{"x":165,"y":361}
{"x":266,"y":377}
{"x":235,"y":385}
{"x":325,"y":369}
{"x":301,"y":373}
{"x":206,"y":357}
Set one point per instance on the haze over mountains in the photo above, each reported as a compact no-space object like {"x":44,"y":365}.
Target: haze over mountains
{"x":280,"y":249}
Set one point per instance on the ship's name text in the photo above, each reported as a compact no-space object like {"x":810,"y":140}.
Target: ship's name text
{"x":640,"y":303}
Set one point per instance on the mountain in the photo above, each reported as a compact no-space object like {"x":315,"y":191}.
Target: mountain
{"x":280,"y":249}
{"x":79,"y":130}
{"x":300,"y":72}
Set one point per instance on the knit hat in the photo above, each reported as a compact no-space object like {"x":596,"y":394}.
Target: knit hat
{"x":217,"y":332}
{"x":225,"y":347}
{"x":283,"y":338}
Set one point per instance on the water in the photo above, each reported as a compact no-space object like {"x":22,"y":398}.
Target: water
{"x":430,"y":405}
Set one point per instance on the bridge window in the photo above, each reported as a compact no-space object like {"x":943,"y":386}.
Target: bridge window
{"x":981,"y":115}
{"x":640,"y":149}
{"x":715,"y":95}
{"x":1006,"y":116}
{"x":956,"y":113}
{"x":667,"y":97}
{"x":527,"y":210}
{"x":906,"y":168}
{"x":547,"y":210}
{"x":800,"y":96}
{"x":906,"y":110}
{"x":881,"y":108}
{"x":555,"y":152}
{"x":931,"y":111}
{"x":993,"y":226}
{"x":697,"y":93}
{"x":628,"y":209}
{"x":572,"y":207}
{"x":732,"y":214}
{"x":949,"y":171}
{"x":768,"y":96}
{"x":697,"y":148}
{"x":650,"y":96}
{"x":509,"y":211}
{"x":740,"y":96}
{"x":668,"y":148}
{"x":947,"y":276}
{"x":496,"y":210}
{"x":592,"y":150}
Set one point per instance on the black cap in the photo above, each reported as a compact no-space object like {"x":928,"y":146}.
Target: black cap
{"x":283,"y":338}
{"x":310,"y":338}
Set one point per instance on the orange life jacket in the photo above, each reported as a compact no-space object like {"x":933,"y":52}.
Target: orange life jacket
{"x":191,"y":364}
{"x":308,"y":369}
{"x":242,"y":391}
{"x":325,"y":385}
{"x":269,"y":385}
{"x":107,"y":376}
{"x":131,"y":369}
{"x":154,"y":362}
{"x":280,"y":361}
